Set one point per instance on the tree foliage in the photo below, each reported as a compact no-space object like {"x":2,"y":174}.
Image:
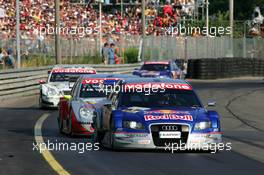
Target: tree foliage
{"x":243,"y":9}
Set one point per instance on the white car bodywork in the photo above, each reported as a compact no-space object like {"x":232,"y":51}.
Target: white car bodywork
{"x":52,"y":91}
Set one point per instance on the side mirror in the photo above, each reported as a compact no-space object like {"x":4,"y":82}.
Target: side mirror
{"x":67,"y":97}
{"x":211,"y":103}
{"x":42,"y":81}
{"x":136,"y":69}
{"x":71,"y":84}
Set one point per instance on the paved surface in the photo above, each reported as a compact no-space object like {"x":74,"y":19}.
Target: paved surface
{"x":240,"y":103}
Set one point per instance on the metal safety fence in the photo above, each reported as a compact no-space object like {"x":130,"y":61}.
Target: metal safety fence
{"x":156,"y":47}
{"x":203,"y":47}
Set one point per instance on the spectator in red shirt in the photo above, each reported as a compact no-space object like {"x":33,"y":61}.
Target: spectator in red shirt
{"x":167,"y":9}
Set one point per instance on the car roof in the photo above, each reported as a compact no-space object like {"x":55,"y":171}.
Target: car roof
{"x":108,"y":76}
{"x":157,"y":62}
{"x":72,"y":66}
{"x":153,"y":80}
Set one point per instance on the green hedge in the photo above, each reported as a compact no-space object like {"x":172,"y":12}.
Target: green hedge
{"x":131,"y":55}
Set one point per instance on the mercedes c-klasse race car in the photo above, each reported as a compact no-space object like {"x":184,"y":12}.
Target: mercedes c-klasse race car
{"x":60,"y":81}
{"x":154,"y":113}
{"x":76,"y":111}
{"x":160,"y":69}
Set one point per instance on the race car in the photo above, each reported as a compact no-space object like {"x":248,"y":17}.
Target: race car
{"x":76,"y":111}
{"x":60,"y":81}
{"x":152,"y":113}
{"x":160,"y":69}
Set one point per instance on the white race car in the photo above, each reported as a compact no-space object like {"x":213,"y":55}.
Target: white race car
{"x":60,"y":81}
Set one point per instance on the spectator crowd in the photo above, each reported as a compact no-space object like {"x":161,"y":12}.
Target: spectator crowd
{"x":37,"y":14}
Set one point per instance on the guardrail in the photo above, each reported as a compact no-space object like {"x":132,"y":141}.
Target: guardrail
{"x":25,"y":81}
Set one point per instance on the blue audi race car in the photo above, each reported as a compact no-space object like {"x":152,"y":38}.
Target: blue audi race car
{"x":160,"y":69}
{"x":153,"y":113}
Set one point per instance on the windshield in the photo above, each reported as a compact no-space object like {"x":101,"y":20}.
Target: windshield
{"x":169,"y":98}
{"x":155,"y":67}
{"x":61,"y":77}
{"x":92,"y":91}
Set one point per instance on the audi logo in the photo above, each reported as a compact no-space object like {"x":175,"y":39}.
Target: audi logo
{"x":169,"y":128}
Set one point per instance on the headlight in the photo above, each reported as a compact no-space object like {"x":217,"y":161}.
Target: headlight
{"x":86,"y":114}
{"x":132,"y":125}
{"x":202,"y":125}
{"x":52,"y":92}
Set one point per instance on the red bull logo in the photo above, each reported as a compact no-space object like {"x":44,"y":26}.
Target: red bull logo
{"x":168,"y":117}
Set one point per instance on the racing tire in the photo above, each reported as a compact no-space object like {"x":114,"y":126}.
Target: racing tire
{"x":98,"y":136}
{"x":60,"y":124}
{"x":70,"y":133}
{"x":40,"y":103}
{"x":111,"y":138}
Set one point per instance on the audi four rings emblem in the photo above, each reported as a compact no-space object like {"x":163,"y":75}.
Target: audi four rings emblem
{"x":169,"y":128}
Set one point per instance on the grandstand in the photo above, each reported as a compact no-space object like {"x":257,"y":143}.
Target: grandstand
{"x":39,"y":14}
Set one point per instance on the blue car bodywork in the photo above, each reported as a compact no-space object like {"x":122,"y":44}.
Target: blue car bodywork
{"x":159,"y":69}
{"x":128,"y":126}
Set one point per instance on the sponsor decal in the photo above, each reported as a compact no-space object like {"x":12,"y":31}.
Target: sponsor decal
{"x":166,"y":112}
{"x":159,"y":86}
{"x":168,"y":117}
{"x":156,"y":62}
{"x":97,"y":80}
{"x":71,"y":70}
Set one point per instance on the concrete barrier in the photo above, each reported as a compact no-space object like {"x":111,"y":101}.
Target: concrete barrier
{"x":25,"y":81}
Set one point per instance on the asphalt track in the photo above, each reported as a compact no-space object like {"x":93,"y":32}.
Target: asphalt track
{"x":239,"y":101}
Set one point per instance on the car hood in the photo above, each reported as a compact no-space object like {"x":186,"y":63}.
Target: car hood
{"x":61,"y":86}
{"x":155,"y":115}
{"x":94,"y":102}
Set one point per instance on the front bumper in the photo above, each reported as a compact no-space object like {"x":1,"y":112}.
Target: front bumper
{"x":52,"y":102}
{"x":128,"y":140}
{"x":79,"y":128}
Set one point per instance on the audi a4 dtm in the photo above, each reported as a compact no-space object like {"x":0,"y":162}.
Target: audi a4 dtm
{"x":170,"y":112}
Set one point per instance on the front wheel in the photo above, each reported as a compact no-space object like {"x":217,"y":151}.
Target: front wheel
{"x":40,"y":102}
{"x":60,"y":124}
{"x":98,"y":136}
{"x":111,"y":137}
{"x":70,"y":125}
